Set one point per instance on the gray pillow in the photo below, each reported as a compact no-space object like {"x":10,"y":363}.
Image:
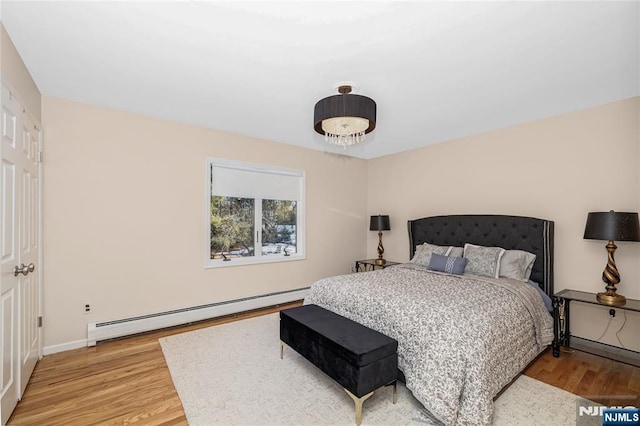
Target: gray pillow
{"x":423,"y":253}
{"x":483,"y":261}
{"x":517,"y":264}
{"x":448,"y":264}
{"x":456,"y":252}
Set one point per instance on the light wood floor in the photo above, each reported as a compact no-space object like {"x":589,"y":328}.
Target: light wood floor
{"x":127,"y":381}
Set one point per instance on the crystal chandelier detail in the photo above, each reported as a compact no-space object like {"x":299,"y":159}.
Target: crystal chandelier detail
{"x":344,"y":140}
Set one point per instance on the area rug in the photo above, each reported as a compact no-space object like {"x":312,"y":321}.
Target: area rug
{"x":232,"y":374}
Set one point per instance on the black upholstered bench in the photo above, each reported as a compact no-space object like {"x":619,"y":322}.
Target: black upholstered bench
{"x":360,"y":359}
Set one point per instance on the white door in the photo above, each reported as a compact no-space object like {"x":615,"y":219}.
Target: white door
{"x":19,"y":237}
{"x":29,"y":220}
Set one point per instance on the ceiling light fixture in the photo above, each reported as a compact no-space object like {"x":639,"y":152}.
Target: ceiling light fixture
{"x":344,"y":119}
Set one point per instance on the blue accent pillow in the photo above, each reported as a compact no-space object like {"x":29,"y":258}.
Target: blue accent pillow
{"x":450,"y":265}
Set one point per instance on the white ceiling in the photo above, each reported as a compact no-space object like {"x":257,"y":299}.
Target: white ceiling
{"x":437,"y":70}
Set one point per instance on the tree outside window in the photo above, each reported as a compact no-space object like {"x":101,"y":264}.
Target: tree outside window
{"x":255,"y":213}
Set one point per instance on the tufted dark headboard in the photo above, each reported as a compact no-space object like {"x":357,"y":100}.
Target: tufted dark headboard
{"x":509,"y":232}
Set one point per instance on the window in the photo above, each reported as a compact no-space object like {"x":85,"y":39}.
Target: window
{"x":256,"y":213}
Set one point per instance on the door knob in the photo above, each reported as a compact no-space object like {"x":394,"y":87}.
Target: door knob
{"x":23,"y":269}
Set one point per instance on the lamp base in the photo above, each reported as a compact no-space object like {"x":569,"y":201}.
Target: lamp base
{"x":611,"y":299}
{"x":380,"y":262}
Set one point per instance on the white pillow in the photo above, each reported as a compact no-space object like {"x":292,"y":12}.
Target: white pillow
{"x":482,"y":260}
{"x":517,"y":264}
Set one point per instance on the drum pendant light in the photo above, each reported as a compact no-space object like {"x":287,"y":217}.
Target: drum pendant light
{"x":346,"y":118}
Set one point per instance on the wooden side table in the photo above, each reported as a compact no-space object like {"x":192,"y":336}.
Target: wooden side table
{"x":370,"y":265}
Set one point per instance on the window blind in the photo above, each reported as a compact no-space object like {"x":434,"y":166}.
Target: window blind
{"x":229,"y":180}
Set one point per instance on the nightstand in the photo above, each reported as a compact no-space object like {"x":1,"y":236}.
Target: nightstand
{"x":370,"y":265}
{"x":562,"y":330}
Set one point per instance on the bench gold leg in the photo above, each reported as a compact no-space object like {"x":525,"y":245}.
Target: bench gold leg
{"x":358,"y":402}
{"x":281,"y":350}
{"x":395,"y":390}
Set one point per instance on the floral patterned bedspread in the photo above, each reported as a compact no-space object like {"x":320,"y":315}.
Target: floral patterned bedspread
{"x":461,"y":339}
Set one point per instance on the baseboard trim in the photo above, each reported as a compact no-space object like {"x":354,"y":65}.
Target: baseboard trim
{"x":221,"y":309}
{"x":62,"y":347}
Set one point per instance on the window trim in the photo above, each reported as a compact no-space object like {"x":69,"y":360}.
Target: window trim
{"x":301,"y":214}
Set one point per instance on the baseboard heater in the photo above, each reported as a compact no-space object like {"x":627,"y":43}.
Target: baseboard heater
{"x":97,"y":332}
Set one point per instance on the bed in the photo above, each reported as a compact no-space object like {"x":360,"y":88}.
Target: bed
{"x":461,"y":338}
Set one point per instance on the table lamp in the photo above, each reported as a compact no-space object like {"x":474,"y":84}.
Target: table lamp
{"x":612,"y":226}
{"x":380,"y":223}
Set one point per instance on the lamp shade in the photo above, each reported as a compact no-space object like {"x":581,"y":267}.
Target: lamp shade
{"x":344,"y":119}
{"x":612,"y":226}
{"x":379,"y":223}
{"x":345,"y":106}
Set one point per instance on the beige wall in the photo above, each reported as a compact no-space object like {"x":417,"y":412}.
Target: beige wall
{"x":125,"y":224}
{"x":559,"y":168}
{"x":16,"y":76}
